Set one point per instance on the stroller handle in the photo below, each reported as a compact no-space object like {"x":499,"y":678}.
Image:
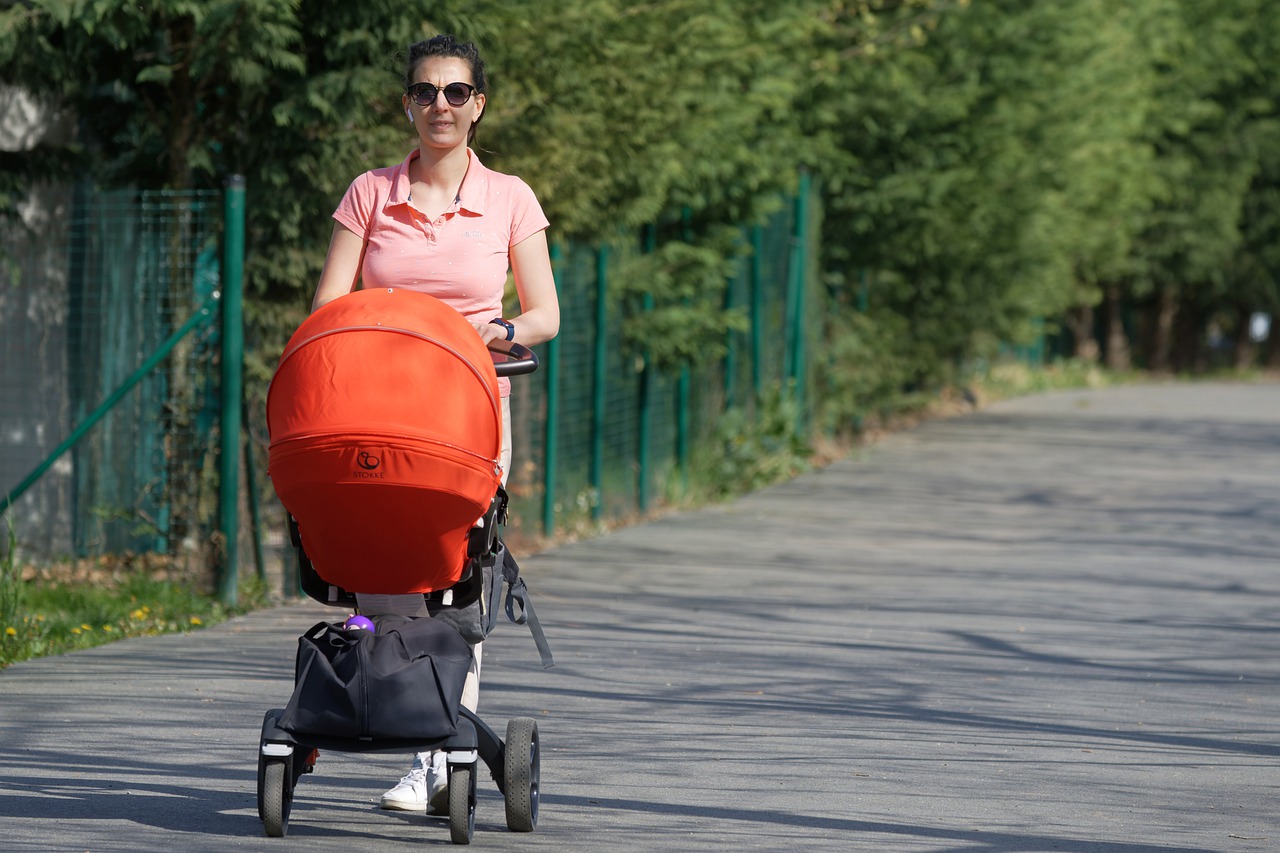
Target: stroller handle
{"x":520,"y":359}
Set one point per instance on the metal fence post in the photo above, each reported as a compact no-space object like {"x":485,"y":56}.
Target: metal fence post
{"x":757,"y":311}
{"x":598,"y":379}
{"x":730,"y":346}
{"x":799,"y":285}
{"x":232,"y":383}
{"x":646,"y":391}
{"x":255,"y":513}
{"x":682,"y":382}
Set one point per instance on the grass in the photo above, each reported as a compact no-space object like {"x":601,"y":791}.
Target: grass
{"x":50,"y":612}
{"x":1016,"y":379}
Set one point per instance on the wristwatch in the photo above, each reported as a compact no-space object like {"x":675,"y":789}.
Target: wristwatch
{"x":506,"y":324}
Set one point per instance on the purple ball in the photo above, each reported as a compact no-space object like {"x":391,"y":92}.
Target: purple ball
{"x":359,"y":622}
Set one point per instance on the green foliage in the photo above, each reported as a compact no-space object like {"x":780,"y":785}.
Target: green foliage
{"x":673,"y":300}
{"x":865,"y":370}
{"x":754,"y":447}
{"x":1254,"y":270}
{"x":1000,"y":161}
{"x":1196,"y":128}
{"x":618,"y":113}
{"x":160,"y":90}
{"x":964,"y":157}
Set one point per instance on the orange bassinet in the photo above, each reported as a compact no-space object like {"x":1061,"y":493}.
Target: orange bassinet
{"x":386,"y":430}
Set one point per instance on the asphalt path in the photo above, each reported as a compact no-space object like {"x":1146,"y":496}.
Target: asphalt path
{"x":1051,"y":625}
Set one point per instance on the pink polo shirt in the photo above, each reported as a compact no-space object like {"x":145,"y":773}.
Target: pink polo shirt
{"x":462,"y":257}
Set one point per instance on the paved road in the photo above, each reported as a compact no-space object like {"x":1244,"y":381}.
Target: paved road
{"x":1050,"y":626}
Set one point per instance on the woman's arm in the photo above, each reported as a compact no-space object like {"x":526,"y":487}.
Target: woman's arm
{"x":341,"y":270}
{"x":539,"y":318}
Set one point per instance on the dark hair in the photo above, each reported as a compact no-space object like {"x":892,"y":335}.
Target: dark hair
{"x":449,"y":47}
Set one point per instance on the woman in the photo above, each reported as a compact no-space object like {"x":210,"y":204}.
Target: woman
{"x":443,"y":223}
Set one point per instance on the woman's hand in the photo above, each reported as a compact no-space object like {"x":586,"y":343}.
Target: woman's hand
{"x":490,"y":332}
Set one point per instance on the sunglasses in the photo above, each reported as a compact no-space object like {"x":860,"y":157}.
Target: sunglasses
{"x":425,"y":94}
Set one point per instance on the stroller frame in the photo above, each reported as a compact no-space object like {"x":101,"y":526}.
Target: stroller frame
{"x":514,"y":765}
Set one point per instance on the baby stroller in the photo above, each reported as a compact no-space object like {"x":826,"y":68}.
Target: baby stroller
{"x":385,"y":426}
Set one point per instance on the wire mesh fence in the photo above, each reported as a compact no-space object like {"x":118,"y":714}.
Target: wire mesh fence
{"x":104,"y":344}
{"x":624,"y":431}
{"x":92,"y":286}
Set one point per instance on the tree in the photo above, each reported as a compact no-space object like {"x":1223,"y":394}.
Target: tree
{"x":958,"y":177}
{"x":1203,"y":168}
{"x":1252,"y":275}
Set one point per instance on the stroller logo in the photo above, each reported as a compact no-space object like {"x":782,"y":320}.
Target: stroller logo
{"x":369,"y":463}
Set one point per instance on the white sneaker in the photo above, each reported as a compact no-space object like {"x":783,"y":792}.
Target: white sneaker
{"x":425,"y":788}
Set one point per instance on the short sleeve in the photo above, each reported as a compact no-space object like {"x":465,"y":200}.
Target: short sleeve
{"x":527,"y":217}
{"x":355,"y":211}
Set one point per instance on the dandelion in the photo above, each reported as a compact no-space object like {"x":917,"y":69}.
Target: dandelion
{"x":85,"y":626}
{"x":76,"y":631}
{"x":11,"y":631}
{"x":107,"y":628}
{"x":195,"y":620}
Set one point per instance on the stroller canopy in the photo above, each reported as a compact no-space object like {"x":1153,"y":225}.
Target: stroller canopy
{"x":385,"y":426}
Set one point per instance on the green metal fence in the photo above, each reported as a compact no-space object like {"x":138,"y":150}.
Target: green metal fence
{"x":622,"y":434}
{"x":116,"y":378}
{"x":108,"y":384}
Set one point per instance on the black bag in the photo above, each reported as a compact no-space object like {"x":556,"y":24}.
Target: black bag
{"x":402,"y":682}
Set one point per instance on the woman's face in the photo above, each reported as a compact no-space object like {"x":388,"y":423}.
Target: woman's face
{"x":440,"y":124}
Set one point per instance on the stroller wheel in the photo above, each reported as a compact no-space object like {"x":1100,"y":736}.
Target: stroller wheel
{"x":277,"y":797}
{"x":521,"y":774}
{"x":462,"y":803}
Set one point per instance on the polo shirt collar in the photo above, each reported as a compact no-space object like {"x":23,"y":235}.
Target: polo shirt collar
{"x":471,"y":195}
{"x":400,"y":186}
{"x":475,"y":186}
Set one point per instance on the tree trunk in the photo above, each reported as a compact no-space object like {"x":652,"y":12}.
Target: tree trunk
{"x":1187,"y":351}
{"x":1271,"y":350}
{"x":1245,"y":352}
{"x":1079,"y":322}
{"x":184,"y":102}
{"x":1117,"y":343}
{"x":1166,"y":310}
